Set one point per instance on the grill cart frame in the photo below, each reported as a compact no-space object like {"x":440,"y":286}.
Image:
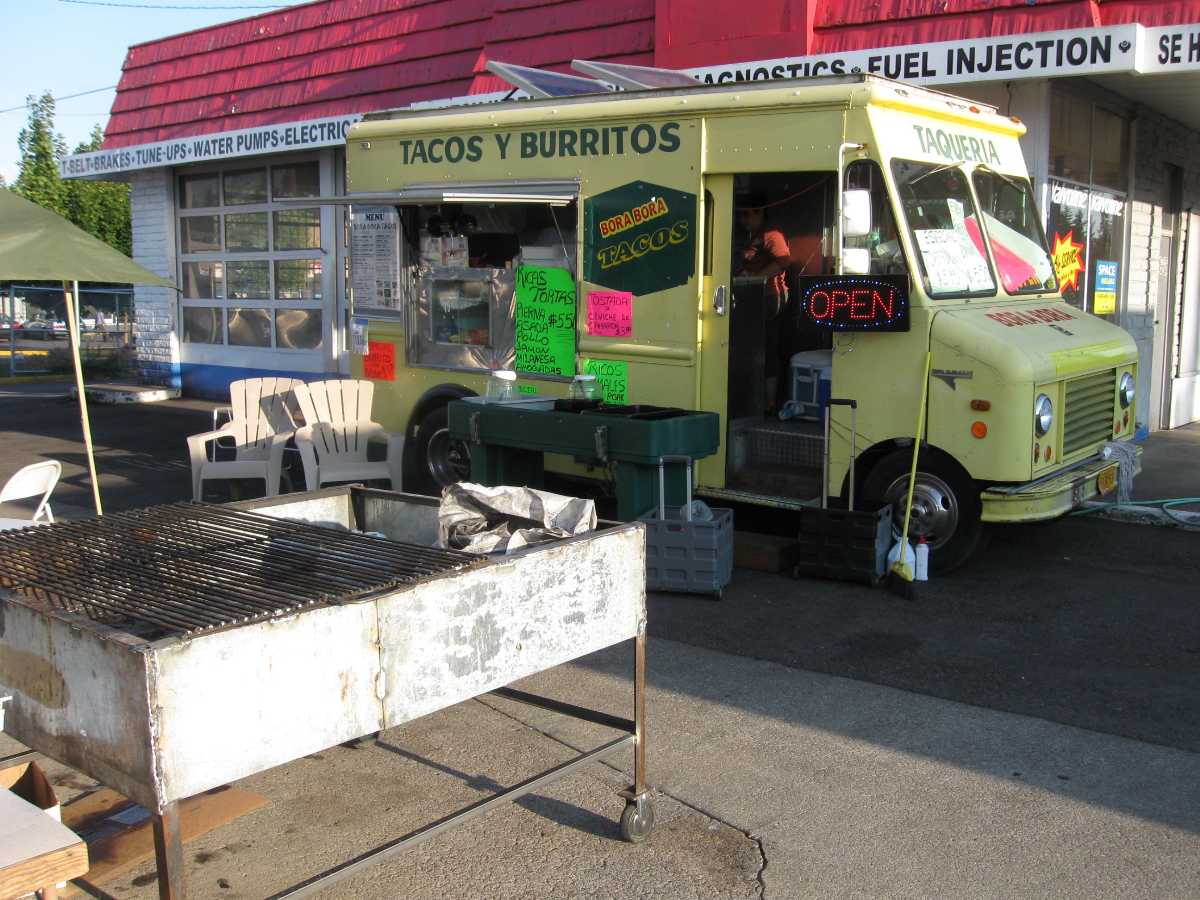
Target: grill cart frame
{"x":157,"y":714}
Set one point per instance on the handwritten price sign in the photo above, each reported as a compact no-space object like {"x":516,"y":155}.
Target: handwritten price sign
{"x":545,"y":339}
{"x":610,"y":313}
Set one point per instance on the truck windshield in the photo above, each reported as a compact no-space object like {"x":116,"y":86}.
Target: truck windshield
{"x":1014,"y":232}
{"x":944,"y":228}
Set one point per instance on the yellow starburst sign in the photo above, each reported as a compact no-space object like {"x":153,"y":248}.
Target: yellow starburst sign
{"x":1068,"y":260}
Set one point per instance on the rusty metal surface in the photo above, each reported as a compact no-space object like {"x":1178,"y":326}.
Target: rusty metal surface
{"x":164,"y":719}
{"x":188,"y":568}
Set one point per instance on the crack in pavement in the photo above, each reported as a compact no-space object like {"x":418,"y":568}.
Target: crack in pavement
{"x":757,"y":841}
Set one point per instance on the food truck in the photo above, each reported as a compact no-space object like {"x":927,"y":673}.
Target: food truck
{"x":752,"y":249}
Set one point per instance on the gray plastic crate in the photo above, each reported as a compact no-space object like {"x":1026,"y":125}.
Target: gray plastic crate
{"x":683,"y":554}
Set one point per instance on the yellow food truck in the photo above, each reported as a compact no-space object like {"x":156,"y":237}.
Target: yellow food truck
{"x":753,"y":250}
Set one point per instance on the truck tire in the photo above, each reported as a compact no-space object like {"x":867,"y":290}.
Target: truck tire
{"x":946,"y":505}
{"x":441,"y":460}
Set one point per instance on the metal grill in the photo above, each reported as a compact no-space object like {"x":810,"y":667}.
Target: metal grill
{"x":191,"y":567}
{"x":1088,"y":413}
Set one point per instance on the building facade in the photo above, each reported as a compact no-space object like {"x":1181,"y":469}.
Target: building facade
{"x":224,"y":134}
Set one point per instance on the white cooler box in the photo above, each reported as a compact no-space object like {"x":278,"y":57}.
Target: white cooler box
{"x":811,"y":382}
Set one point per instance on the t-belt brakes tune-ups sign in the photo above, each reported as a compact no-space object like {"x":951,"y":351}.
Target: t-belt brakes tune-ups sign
{"x":855,"y":302}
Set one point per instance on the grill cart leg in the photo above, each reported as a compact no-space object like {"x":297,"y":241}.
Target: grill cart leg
{"x":637,"y":819}
{"x":168,"y":853}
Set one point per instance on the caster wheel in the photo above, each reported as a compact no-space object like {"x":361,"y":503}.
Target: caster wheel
{"x":637,"y":821}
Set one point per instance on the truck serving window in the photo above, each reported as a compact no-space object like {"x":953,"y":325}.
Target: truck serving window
{"x":944,"y":228}
{"x":883,"y":243}
{"x":461,"y":263}
{"x":1014,"y":232}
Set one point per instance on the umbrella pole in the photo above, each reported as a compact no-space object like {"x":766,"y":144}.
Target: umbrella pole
{"x":69,"y":295}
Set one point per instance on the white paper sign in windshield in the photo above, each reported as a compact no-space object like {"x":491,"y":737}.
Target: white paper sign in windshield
{"x":953,"y":263}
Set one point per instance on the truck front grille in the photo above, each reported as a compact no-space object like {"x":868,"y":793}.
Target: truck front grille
{"x":1088,"y":416}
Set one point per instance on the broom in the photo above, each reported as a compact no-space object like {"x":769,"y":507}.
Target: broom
{"x":899,"y":578}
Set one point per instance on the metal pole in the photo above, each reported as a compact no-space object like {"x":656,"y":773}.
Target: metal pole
{"x":12,"y":330}
{"x":73,"y":333}
{"x":168,"y":853}
{"x":639,"y":711}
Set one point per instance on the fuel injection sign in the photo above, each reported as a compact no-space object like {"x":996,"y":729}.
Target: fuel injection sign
{"x":640,"y":237}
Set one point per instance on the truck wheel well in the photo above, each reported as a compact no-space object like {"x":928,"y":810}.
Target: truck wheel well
{"x":436,"y":396}
{"x":868,"y":459}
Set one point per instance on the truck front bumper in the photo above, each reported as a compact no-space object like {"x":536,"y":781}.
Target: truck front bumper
{"x":1053,"y":495}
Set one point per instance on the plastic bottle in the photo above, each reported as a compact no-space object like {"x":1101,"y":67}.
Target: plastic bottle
{"x":584,"y":387}
{"x":909,"y":556}
{"x":501,"y":386}
{"x":921,"y":569}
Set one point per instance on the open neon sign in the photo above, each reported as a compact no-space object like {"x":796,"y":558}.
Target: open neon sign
{"x":855,"y":302}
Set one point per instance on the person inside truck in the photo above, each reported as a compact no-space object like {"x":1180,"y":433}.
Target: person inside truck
{"x":764,"y":252}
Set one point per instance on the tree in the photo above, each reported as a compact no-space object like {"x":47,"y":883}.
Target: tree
{"x":100,"y":208}
{"x":41,"y":149}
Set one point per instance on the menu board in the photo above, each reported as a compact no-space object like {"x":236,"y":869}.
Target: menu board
{"x":613,"y":377}
{"x":375,"y":257}
{"x":545,"y":321}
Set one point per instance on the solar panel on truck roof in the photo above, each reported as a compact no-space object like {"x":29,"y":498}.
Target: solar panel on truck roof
{"x":541,"y":83}
{"x":630,"y":77}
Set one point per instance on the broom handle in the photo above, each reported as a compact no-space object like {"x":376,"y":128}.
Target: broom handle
{"x":912,"y":475}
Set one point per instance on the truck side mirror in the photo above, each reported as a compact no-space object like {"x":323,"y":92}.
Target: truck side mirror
{"x":856,"y":213}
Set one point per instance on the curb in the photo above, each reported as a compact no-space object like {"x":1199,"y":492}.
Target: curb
{"x":33,"y":379}
{"x":1132,"y":514}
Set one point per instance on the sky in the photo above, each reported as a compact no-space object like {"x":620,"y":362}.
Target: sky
{"x":71,"y":47}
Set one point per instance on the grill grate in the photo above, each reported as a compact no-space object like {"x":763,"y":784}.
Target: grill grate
{"x":191,"y":567}
{"x":1088,"y":413}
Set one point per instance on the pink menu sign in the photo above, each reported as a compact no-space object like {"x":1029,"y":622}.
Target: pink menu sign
{"x":610,"y":313}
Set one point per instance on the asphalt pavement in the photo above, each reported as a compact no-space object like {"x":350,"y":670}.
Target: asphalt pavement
{"x":1026,"y":726}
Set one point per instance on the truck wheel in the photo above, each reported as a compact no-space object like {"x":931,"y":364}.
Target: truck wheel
{"x":441,"y":459}
{"x":946,"y":505}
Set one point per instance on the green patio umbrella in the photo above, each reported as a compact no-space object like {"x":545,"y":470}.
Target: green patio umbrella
{"x":38,"y":245}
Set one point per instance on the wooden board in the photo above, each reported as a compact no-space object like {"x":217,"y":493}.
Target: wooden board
{"x":115,"y":854}
{"x":35,"y":850}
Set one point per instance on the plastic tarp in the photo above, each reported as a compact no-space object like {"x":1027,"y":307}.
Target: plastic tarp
{"x":38,"y":245}
{"x":480,"y":519}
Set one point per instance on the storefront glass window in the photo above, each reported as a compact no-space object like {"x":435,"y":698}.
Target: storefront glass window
{"x":298,"y":279}
{"x":199,"y":234}
{"x":199,"y":191}
{"x":246,"y":232}
{"x":277,"y":297}
{"x":250,"y":327}
{"x":202,"y":280}
{"x":295,"y":180}
{"x":202,"y":325}
{"x":1110,"y":138}
{"x":1086,"y":209}
{"x":298,"y":229}
{"x":247,"y":280}
{"x":298,"y":329}
{"x":246,"y":187}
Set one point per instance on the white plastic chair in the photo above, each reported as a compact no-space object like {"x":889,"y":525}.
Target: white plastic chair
{"x":337,"y":430}
{"x":260,"y":428}
{"x":38,"y":479}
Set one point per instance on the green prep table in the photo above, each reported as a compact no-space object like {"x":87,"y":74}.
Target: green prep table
{"x":508,"y":442}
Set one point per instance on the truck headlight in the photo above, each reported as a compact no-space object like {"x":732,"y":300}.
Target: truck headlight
{"x":1043,"y":415}
{"x":1126,"y":390}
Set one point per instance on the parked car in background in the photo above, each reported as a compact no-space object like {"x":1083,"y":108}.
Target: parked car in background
{"x":43,"y":329}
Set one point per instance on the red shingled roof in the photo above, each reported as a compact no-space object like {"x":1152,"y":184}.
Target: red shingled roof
{"x":335,"y":57}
